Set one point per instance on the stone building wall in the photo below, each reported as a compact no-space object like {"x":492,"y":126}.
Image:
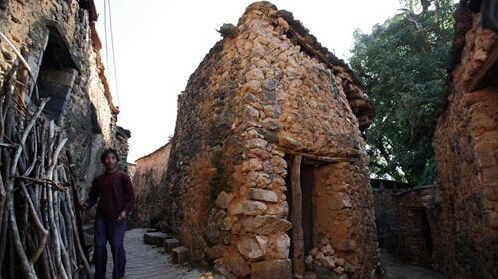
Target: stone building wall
{"x":56,"y":39}
{"x":419,"y":225}
{"x":148,"y":174}
{"x":409,"y":223}
{"x":266,"y":93}
{"x":466,"y":148}
{"x":386,"y":219}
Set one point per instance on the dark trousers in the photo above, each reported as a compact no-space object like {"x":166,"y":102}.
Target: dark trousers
{"x":112,"y":231}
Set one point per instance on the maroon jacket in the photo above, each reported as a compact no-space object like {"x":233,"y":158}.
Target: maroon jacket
{"x":116,"y":194}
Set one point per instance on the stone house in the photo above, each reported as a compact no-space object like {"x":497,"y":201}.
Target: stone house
{"x":268,"y":174}
{"x":466,"y":146}
{"x":59,"y":41}
{"x":147,"y":177}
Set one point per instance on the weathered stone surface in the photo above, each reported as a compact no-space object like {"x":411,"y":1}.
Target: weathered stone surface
{"x":213,"y":234}
{"x":262,"y":195}
{"x":266,"y":225}
{"x":179,"y":255}
{"x":170,"y":244}
{"x":345,"y":244}
{"x":250,"y":248}
{"x":238,"y":266}
{"x":252,"y":165}
{"x":339,"y":201}
{"x":255,"y":74}
{"x":156,"y":238}
{"x":250,"y":208}
{"x":257,"y":143}
{"x":272,"y":269}
{"x":216,"y":251}
{"x":270,"y":84}
{"x":223,"y":199}
{"x":279,"y":210}
{"x":270,"y":124}
{"x":465,"y":140}
{"x":327,"y":250}
{"x":278,"y":246}
{"x":287,"y":140}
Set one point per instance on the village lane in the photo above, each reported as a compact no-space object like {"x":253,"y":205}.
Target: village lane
{"x":396,"y":269}
{"x":149,"y":262}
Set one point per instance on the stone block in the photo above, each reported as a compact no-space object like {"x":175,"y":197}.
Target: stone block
{"x":155,"y":238}
{"x":262,"y":195}
{"x":266,"y":225}
{"x":250,"y":208}
{"x":273,"y":269}
{"x":250,"y":248}
{"x":170,"y":244}
{"x":179,"y":255}
{"x":270,"y":124}
{"x":278,"y":247}
{"x":223,"y":199}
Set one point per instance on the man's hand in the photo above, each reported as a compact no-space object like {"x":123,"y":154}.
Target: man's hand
{"x":122,"y":216}
{"x":84,"y":206}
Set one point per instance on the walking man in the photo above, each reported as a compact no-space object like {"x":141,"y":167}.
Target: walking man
{"x":115,"y":190}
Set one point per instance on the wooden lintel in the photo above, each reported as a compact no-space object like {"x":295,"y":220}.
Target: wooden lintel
{"x":488,"y":71}
{"x":320,"y":160}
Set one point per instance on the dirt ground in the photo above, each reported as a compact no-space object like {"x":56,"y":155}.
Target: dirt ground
{"x":398,"y":270}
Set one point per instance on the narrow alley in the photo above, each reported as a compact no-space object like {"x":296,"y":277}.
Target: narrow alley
{"x":150,"y":262}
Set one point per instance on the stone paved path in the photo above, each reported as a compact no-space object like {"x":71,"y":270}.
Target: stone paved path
{"x":399,"y":270}
{"x":149,"y":262}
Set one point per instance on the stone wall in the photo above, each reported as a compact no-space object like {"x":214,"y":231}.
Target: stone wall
{"x":419,"y":225}
{"x":409,"y":223}
{"x":386,"y":219}
{"x":265,"y":93}
{"x":148,"y":173}
{"x":466,"y":148}
{"x":55,"y":37}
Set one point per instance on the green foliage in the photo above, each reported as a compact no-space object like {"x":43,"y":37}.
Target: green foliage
{"x":402,"y":65}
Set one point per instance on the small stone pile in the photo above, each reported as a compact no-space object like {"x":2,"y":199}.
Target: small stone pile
{"x":326,"y":257}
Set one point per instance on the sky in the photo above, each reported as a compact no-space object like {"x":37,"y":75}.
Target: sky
{"x":159,"y":43}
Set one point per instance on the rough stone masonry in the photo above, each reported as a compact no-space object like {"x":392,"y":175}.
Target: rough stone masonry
{"x":266,"y":94}
{"x":60,"y":44}
{"x":466,"y":148}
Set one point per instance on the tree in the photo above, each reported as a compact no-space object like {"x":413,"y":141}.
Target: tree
{"x":402,"y":66}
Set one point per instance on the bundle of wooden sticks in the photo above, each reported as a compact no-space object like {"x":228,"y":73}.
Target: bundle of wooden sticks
{"x":40,"y":228}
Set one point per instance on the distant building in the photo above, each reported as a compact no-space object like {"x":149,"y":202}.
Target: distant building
{"x":148,"y":174}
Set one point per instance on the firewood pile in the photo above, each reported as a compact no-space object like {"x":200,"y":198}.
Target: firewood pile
{"x":40,"y":226}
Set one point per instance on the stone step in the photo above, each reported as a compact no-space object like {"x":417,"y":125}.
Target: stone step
{"x":170,"y":244}
{"x":155,"y":238}
{"x":179,"y":255}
